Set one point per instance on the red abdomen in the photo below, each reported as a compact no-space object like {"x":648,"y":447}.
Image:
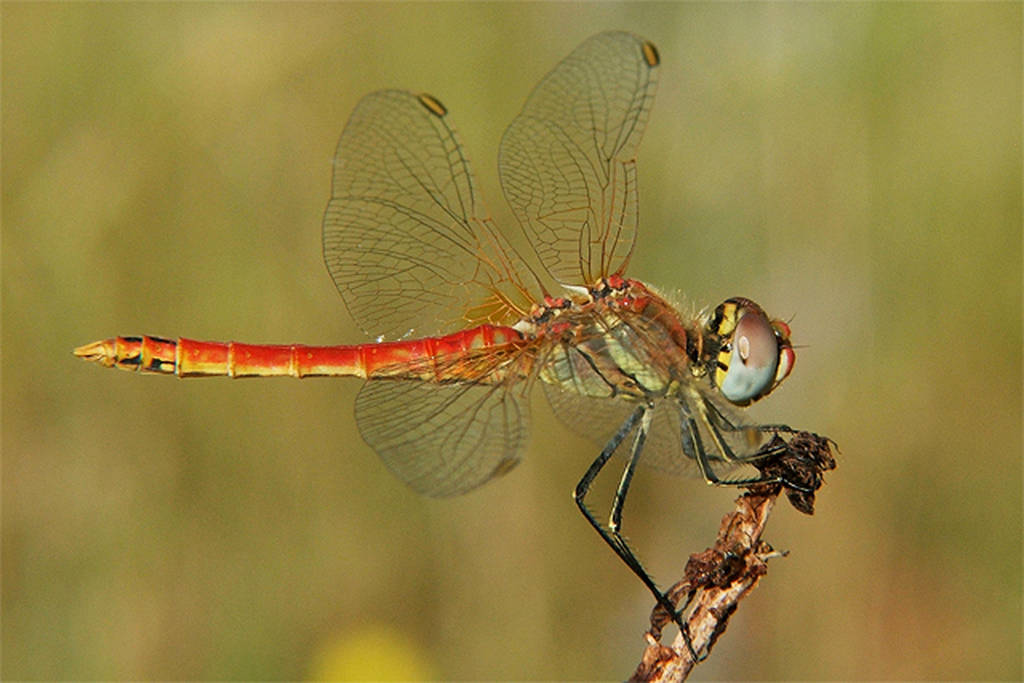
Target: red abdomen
{"x":430,"y":358}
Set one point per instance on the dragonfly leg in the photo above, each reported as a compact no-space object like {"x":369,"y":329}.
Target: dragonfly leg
{"x":718,"y":423}
{"x":611,"y":534}
{"x":722,"y":421}
{"x":615,"y":519}
{"x":693,"y":447}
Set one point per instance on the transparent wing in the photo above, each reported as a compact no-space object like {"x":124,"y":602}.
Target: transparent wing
{"x":598,"y":419}
{"x":567,"y":162}
{"x":443,"y":440}
{"x":406,"y":237}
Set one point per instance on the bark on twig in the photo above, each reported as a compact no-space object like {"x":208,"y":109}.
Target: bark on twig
{"x":717,"y":579}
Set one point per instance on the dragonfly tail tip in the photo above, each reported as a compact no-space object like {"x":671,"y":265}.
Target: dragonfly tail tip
{"x":97,"y":352}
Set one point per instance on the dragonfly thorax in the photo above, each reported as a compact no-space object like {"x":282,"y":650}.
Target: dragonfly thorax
{"x":621,"y":340}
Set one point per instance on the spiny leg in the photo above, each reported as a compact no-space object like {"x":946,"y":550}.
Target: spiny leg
{"x":693,"y":446}
{"x":588,"y":478}
{"x":716,"y":418}
{"x":717,"y":424}
{"x":615,"y":519}
{"x":611,"y":534}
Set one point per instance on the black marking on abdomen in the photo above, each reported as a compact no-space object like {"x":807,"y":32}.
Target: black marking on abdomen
{"x":159,"y":365}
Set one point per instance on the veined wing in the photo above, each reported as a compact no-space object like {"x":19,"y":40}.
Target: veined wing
{"x":567,"y":162}
{"x":444,"y":440}
{"x":598,"y":418}
{"x":406,"y":236}
{"x":448,"y":423}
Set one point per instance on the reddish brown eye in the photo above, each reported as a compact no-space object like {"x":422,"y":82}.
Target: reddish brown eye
{"x":754,"y":358}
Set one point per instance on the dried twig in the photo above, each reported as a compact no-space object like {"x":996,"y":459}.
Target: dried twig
{"x":717,"y":579}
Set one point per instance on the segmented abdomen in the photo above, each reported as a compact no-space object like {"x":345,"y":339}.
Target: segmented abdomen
{"x":430,"y":359}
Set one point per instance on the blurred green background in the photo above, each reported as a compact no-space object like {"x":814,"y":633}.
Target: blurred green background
{"x":856,"y":167}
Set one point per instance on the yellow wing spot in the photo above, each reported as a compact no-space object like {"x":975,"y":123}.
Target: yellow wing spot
{"x":651,"y":54}
{"x":432,"y":104}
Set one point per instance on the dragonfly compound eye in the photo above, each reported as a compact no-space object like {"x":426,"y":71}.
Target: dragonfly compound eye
{"x":756,"y":355}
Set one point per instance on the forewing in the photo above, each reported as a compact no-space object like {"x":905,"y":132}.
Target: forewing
{"x":447,"y":439}
{"x":405,"y":234}
{"x":567,"y":162}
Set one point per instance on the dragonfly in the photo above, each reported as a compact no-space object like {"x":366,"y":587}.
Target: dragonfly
{"x":464,"y":325}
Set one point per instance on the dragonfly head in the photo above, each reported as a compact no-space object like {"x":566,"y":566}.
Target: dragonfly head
{"x":754,"y":352}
